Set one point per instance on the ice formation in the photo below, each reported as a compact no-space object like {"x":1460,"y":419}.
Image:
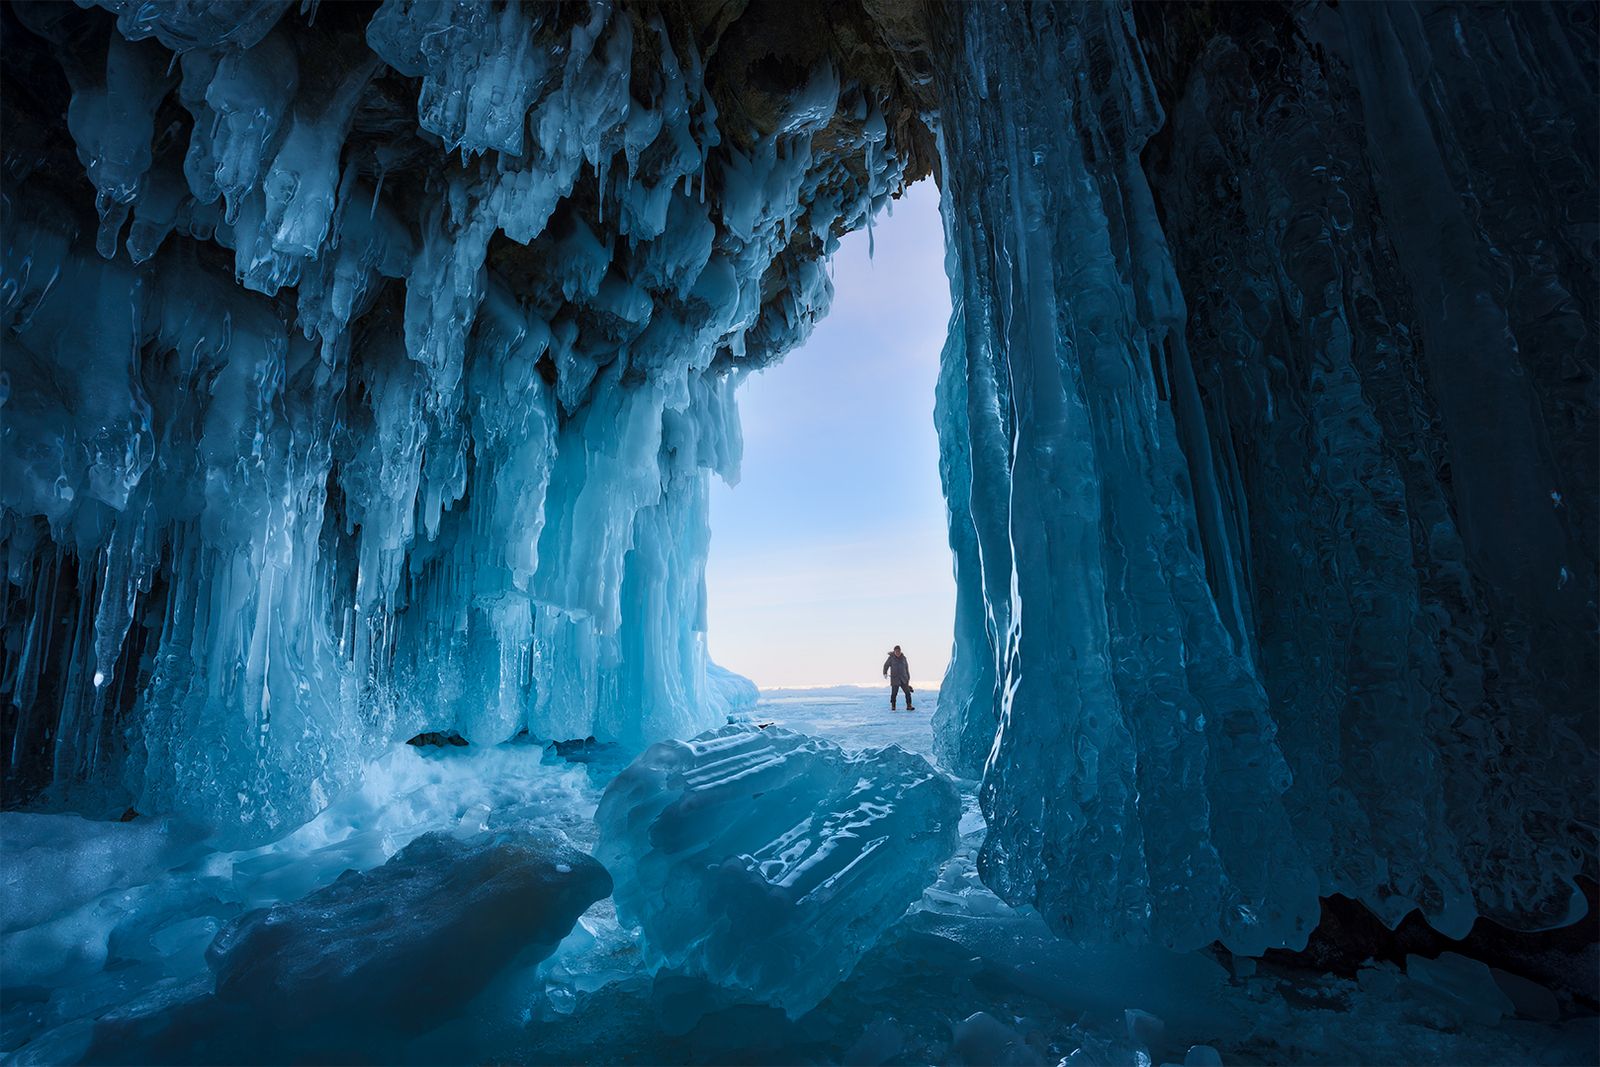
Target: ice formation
{"x":113,"y":919}
{"x":381,"y":955}
{"x":365,"y":367}
{"x":768,"y":861}
{"x":379,"y":392}
{"x":1269,"y":439}
{"x":364,"y":964}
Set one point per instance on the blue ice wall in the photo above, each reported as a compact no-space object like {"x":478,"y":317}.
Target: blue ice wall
{"x":365,"y":370}
{"x":1133,"y":786}
{"x":1269,"y":432}
{"x":1409,"y":347}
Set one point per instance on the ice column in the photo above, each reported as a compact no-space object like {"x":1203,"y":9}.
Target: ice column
{"x":1133,"y":788}
{"x":1273,"y":510}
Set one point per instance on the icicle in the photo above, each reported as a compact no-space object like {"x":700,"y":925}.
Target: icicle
{"x":377,"y":193}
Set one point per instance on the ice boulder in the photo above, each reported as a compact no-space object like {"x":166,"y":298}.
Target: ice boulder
{"x":767,"y":862}
{"x":399,"y":947}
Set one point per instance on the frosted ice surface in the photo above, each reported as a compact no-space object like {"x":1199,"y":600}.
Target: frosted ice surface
{"x":730,"y":692}
{"x":54,"y":863}
{"x":768,"y":862}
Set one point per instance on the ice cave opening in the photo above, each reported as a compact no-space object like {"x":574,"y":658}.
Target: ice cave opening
{"x":832,"y":545}
{"x":366,"y":371}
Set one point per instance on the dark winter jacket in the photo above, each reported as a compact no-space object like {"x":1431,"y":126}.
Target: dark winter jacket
{"x":898,"y":669}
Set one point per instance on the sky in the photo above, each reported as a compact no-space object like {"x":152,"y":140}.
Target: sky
{"x":832,"y":548}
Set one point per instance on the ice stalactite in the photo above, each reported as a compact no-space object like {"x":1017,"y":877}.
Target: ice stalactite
{"x":1272,"y":506}
{"x":371,"y":382}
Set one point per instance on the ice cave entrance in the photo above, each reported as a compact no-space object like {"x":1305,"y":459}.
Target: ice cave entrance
{"x":832,"y":547}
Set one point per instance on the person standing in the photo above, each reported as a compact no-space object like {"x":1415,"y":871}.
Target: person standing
{"x":898,"y":671}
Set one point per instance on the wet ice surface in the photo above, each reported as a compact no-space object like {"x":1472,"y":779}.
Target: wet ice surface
{"x":117,"y":918}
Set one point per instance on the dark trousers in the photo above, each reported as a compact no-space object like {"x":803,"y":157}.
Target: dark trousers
{"x":894,"y":691}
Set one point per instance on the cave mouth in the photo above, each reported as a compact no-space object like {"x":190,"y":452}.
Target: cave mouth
{"x":412,"y":432}
{"x":832,"y":546}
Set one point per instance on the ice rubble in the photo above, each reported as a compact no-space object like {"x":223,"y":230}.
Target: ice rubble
{"x":362,"y":965}
{"x":767,"y":861}
{"x":1273,"y":507}
{"x":100,"y":913}
{"x":418,"y":935}
{"x":380,"y":391}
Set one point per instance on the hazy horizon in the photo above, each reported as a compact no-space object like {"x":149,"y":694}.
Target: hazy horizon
{"x":833,"y":547}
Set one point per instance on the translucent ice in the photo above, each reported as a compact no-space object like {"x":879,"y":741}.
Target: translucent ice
{"x":365,"y":370}
{"x":769,"y":862}
{"x":1132,"y":783}
{"x":369,"y":961}
{"x":182,"y":25}
{"x":1468,"y":984}
{"x":394,"y":411}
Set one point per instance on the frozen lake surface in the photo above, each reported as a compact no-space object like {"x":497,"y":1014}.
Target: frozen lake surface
{"x":852,"y":716}
{"x":107,"y":918}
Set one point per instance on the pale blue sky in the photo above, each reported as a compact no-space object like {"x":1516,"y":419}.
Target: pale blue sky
{"x":832,"y":548}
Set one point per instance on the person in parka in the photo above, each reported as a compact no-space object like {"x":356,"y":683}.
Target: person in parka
{"x":898,"y":671}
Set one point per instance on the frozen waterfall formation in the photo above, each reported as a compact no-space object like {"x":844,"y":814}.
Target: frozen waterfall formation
{"x":1268,"y":416}
{"x":365,"y":367}
{"x":379,"y":390}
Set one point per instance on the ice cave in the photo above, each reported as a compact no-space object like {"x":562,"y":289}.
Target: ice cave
{"x":365,"y":369}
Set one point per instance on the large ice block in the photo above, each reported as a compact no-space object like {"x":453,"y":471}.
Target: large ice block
{"x":353,"y":971}
{"x":768,"y":862}
{"x":399,"y":944}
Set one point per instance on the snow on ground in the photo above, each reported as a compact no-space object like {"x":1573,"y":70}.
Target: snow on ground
{"x":853,"y":716}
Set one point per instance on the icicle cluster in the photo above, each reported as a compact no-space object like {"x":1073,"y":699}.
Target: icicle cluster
{"x":380,"y":390}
